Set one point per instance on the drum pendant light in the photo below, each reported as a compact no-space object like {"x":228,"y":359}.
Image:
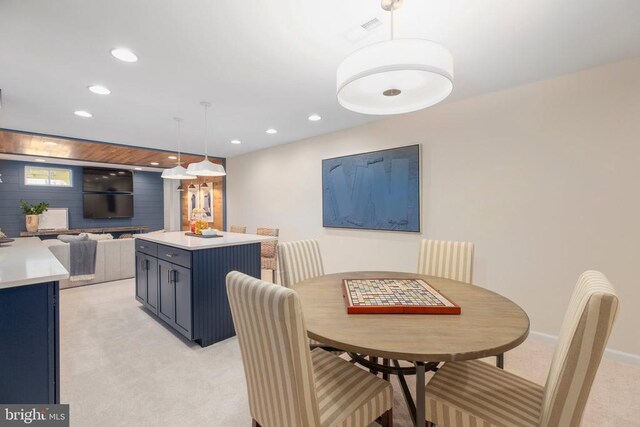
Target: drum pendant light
{"x":177,"y":172}
{"x":205,"y":167}
{"x":395,"y":76}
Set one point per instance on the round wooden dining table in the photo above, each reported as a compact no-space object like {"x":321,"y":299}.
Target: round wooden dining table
{"x":488,"y":325}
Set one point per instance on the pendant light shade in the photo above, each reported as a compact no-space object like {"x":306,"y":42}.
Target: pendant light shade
{"x":177,"y":172}
{"x":395,"y":76}
{"x":206,"y":167}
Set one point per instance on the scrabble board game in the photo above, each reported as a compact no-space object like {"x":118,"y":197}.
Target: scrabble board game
{"x":400,"y":296}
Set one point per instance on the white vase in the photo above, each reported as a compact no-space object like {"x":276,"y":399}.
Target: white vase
{"x":32,"y":223}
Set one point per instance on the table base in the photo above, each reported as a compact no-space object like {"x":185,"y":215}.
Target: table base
{"x":416,"y":408}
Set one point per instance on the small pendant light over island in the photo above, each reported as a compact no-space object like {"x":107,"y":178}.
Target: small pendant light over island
{"x":177,"y":172}
{"x":205,"y":167}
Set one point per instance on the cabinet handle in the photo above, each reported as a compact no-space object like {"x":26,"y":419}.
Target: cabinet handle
{"x":142,"y":247}
{"x":146,"y":264}
{"x":171,"y":255}
{"x":169,"y":276}
{"x":175,"y":275}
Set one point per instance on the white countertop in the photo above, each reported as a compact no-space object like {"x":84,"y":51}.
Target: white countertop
{"x":27,"y":261}
{"x":179,"y":240}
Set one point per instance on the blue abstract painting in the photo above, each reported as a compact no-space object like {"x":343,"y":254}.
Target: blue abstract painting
{"x":379,"y":190}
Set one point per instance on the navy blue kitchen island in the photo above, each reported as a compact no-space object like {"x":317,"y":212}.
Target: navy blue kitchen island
{"x":29,"y":323}
{"x":181,"y":280}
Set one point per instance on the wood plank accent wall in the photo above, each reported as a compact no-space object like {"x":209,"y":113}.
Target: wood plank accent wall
{"x":218,"y":201}
{"x":16,"y":142}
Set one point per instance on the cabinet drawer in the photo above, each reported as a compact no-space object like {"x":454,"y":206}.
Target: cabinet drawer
{"x":147,"y":247}
{"x":174,"y":255}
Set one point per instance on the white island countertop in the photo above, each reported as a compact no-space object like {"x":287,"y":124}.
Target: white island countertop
{"x":178,"y":239}
{"x":27,"y":261}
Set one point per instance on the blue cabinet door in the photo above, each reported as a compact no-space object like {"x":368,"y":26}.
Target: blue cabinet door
{"x":147,"y":281}
{"x":141,"y":277}
{"x":181,"y":278}
{"x":152,"y":283}
{"x":166,"y":297}
{"x":29,"y":344}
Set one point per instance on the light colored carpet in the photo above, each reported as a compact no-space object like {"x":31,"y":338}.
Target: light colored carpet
{"x":122,"y":367}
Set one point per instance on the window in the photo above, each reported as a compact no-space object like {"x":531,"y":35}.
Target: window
{"x":51,"y":177}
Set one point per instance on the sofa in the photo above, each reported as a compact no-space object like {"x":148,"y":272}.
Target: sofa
{"x":115,"y":260}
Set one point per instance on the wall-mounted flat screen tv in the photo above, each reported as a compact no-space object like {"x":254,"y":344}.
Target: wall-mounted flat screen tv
{"x":107,"y":180}
{"x":107,"y":205}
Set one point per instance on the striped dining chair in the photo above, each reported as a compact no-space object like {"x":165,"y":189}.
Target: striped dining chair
{"x":449,"y":260}
{"x":446,"y":259}
{"x":299,"y":260}
{"x":268,"y":254}
{"x":288,"y":384}
{"x":238,"y":229}
{"x":475,"y":393}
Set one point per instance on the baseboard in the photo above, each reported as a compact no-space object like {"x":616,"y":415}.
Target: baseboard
{"x":617,"y":355}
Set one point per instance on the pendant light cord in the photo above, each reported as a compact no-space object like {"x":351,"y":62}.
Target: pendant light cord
{"x":205,"y":132}
{"x":392,"y":9}
{"x":179,"y":141}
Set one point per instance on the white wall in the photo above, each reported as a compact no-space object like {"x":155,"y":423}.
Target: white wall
{"x":544,"y":178}
{"x":172,"y":218}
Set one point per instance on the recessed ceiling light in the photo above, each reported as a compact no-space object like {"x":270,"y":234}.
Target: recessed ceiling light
{"x":172,"y":157}
{"x":154,"y":163}
{"x":50,"y":143}
{"x":235,"y":141}
{"x":83,"y":113}
{"x":271,"y":131}
{"x":138,"y":169}
{"x":124,"y":54}
{"x":112,"y":174}
{"x":100,"y":90}
{"x":40,"y":160}
{"x":314,"y":117}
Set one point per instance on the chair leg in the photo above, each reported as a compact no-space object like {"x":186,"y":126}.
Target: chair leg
{"x":387,"y":418}
{"x":255,"y":424}
{"x":500,"y":360}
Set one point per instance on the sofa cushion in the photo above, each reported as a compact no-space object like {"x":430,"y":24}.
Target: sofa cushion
{"x":92,"y":236}
{"x":71,"y":238}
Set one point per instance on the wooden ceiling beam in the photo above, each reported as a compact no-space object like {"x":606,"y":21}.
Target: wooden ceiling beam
{"x":31,"y":144}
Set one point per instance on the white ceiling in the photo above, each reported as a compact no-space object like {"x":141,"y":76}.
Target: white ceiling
{"x":267,"y":63}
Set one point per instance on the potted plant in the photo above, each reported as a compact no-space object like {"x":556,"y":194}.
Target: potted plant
{"x":32,"y":212}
